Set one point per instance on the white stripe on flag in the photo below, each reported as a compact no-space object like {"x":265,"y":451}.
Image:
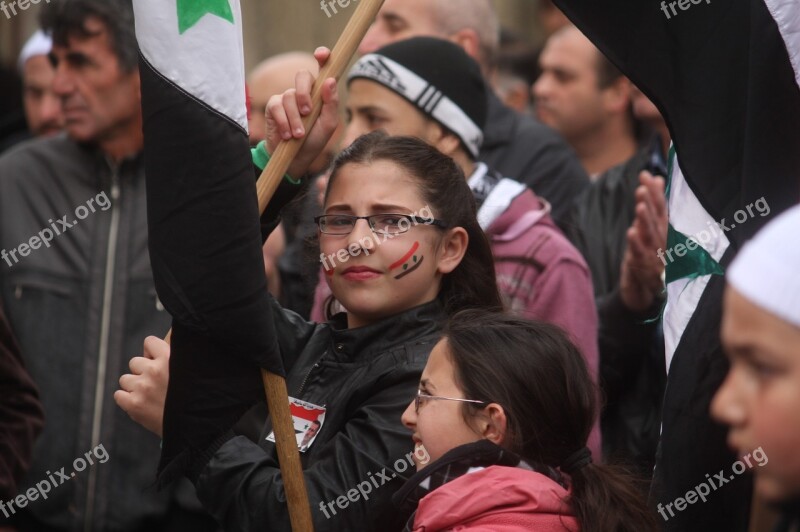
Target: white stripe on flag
{"x":688,"y":216}
{"x":787,"y":14}
{"x":206,"y":60}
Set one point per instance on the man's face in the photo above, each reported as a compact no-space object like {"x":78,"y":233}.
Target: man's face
{"x":42,"y":106}
{"x":760,"y":397}
{"x":399,"y":20}
{"x":371,"y":106}
{"x":100,"y":102}
{"x":568,"y":96}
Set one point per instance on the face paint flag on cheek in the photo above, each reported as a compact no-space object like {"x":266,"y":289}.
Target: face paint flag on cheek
{"x":408,"y":263}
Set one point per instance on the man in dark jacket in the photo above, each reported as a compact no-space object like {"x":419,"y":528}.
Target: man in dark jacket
{"x":75,"y":277}
{"x":21,"y":415}
{"x":626,"y":274}
{"x":515,"y":145}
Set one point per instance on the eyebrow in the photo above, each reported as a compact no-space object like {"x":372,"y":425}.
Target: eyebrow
{"x":377,"y":208}
{"x":427,"y":384}
{"x":394,"y":18}
{"x":367,"y":109}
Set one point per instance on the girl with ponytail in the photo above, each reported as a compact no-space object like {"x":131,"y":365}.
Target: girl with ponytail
{"x":510,"y":402}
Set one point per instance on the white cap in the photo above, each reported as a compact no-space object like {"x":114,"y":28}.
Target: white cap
{"x":38,"y":44}
{"x":767,"y":270}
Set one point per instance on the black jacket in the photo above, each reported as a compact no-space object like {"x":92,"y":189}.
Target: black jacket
{"x":365,"y":378}
{"x":632,"y":372}
{"x":521,"y":148}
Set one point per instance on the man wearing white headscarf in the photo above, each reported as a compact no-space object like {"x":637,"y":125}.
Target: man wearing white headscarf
{"x":42,"y":106}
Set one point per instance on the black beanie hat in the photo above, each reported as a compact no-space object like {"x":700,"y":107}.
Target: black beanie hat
{"x":436,"y":76}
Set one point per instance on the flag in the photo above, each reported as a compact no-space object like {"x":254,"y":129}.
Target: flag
{"x":726,"y":77}
{"x":203,"y":220}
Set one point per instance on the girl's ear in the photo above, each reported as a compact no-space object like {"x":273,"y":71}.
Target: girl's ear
{"x":495,"y":423}
{"x":453,"y":248}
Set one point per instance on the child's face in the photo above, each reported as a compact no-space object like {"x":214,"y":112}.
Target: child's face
{"x":439,"y":425}
{"x":376,"y":275}
{"x":760,"y":398}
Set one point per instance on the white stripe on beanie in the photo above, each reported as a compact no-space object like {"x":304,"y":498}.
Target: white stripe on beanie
{"x":422,"y":94}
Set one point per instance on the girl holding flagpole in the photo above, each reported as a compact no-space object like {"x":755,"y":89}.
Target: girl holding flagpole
{"x":355,"y":373}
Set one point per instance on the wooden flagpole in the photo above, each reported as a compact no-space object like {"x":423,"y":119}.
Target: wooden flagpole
{"x":286,"y":151}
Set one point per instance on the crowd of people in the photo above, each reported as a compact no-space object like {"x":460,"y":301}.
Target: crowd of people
{"x":462,"y":274}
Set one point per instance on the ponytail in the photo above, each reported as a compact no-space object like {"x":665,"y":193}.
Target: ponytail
{"x":609,"y":499}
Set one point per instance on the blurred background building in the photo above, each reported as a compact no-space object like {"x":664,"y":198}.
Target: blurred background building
{"x":274,"y":26}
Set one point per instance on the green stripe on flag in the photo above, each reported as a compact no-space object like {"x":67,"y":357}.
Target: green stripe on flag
{"x":693,"y":263}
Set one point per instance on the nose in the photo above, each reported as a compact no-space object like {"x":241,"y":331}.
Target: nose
{"x":727,"y":405}
{"x":371,"y":40}
{"x":51,"y":109}
{"x":361,"y":235}
{"x":409,"y":417}
{"x":352,"y":132}
{"x":541,"y":87}
{"x":63,"y":84}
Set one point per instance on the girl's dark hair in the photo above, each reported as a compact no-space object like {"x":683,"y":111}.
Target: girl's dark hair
{"x":540,"y":379}
{"x":65,"y":19}
{"x":444,"y":189}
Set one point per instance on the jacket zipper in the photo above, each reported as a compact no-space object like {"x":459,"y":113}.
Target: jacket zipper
{"x":105,"y":332}
{"x":303,"y":385}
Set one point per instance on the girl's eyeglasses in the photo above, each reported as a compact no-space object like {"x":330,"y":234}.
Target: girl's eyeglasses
{"x":391,"y":224}
{"x":421,"y":396}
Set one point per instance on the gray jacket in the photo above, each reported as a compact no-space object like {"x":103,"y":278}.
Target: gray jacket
{"x":76,"y":284}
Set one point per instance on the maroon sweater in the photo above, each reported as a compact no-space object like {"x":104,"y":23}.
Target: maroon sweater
{"x":21,"y":415}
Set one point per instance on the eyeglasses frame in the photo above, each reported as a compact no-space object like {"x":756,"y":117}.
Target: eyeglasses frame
{"x":421,"y":395}
{"x":410,"y":217}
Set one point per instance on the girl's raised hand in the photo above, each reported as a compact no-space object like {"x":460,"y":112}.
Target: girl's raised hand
{"x":285,"y":112}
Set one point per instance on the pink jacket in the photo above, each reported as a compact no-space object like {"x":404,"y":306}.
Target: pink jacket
{"x":497,"y":499}
{"x":541,"y":275}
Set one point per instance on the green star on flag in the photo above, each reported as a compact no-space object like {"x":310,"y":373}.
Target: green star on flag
{"x":191,"y":11}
